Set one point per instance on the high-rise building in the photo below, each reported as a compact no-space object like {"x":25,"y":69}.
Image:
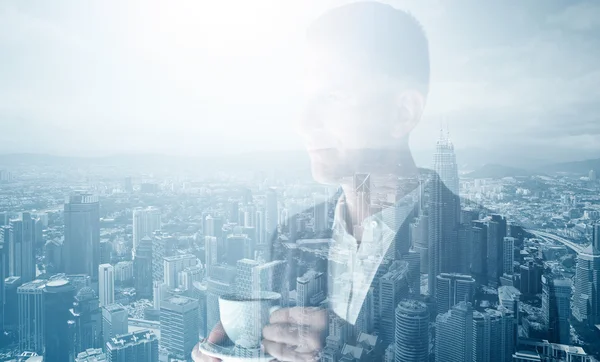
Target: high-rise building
{"x":106,"y":284}
{"x":58,"y":325}
{"x":162,"y":246}
{"x":139,"y":346}
{"x":444,"y":212}
{"x":11,"y":303}
{"x":592,"y":175}
{"x":477,"y":244}
{"x":105,"y":251}
{"x":189,"y":275}
{"x":6,"y":239}
{"x":173,"y":265}
{"x":87,"y":315}
{"x":454,"y":334}
{"x":123,"y":271}
{"x":31,"y":316}
{"x":411,"y":340}
{"x":237,"y":247}
{"x":145,"y":222}
{"x":419,"y":235}
{"x":508,"y":255}
{"x":452,"y":289}
{"x":142,"y":269}
{"x":530,"y":276}
{"x":496,"y":232}
{"x":23,"y":240}
{"x":81,"y":248}
{"x":114,"y":321}
{"x":127,"y":185}
{"x":393,"y":287}
{"x":179,"y":325}
{"x":3,"y":275}
{"x":556,"y":308}
{"x":493,"y":332}
{"x":586,"y":294}
{"x":272,"y":213}
{"x":210,"y":253}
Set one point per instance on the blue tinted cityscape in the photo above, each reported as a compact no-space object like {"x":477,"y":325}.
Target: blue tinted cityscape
{"x":98,"y":265}
{"x":299,"y":181}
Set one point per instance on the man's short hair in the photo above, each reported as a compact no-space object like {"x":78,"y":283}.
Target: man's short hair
{"x":376,"y":35}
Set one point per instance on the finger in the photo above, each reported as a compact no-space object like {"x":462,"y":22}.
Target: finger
{"x":217,"y":334}
{"x":315,"y":317}
{"x":197,"y":356}
{"x":283,"y":352}
{"x":293,"y":335}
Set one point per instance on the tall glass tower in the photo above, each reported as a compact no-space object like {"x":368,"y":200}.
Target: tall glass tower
{"x":81,"y":249}
{"x":58,"y":325}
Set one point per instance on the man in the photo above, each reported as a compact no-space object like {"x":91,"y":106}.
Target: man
{"x":367,"y":82}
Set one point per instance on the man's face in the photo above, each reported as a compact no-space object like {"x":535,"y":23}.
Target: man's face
{"x":349,"y":117}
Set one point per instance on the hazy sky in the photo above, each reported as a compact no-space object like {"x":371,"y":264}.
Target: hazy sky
{"x":190,"y":77}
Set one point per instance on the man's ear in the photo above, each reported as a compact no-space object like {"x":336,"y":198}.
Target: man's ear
{"x":409,"y":107}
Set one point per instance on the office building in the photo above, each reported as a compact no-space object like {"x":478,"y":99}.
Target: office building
{"x":496,"y":232}
{"x":411,"y":338}
{"x":320,"y":212}
{"x":123,"y":271}
{"x":58,"y":329}
{"x":53,"y":256}
{"x":452,"y":289}
{"x":530,"y":276}
{"x":542,"y":350}
{"x":81,"y":247}
{"x":586,"y":294}
{"x":142,"y":269}
{"x":189,"y":275}
{"x":87,"y":316}
{"x":11,"y":303}
{"x":509,"y":255}
{"x":106,"y":284}
{"x":493,"y":332}
{"x":393,"y":287}
{"x":419,"y":236}
{"x":105,"y":251}
{"x":162,"y":246}
{"x":31,"y":316}
{"x":173,"y":265}
{"x":271,"y":214}
{"x":556,"y":308}
{"x":237,"y":247}
{"x":139,"y":346}
{"x":23,"y":251}
{"x":145,"y":222}
{"x":114,"y":321}
{"x":454,"y":334}
{"x":179,"y":325}
{"x":3,"y":276}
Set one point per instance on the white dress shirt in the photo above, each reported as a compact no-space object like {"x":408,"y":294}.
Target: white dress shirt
{"x":353,"y":265}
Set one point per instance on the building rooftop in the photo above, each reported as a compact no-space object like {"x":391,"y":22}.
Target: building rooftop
{"x":37,"y":284}
{"x":131,"y":339}
{"x":179,"y":300}
{"x":115,"y":307}
{"x":179,"y":257}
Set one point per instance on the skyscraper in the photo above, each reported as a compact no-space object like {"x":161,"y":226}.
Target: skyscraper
{"x":321,"y":212}
{"x":81,"y":248}
{"x":114,"y":321}
{"x":145,"y":222}
{"x":179,"y":325}
{"x":142,"y":269}
{"x":556,"y":308}
{"x":509,"y":255}
{"x":496,"y":232}
{"x":452,"y":289}
{"x":31,"y":316}
{"x":454,"y":334}
{"x":58,"y":330}
{"x":106,"y":284}
{"x":493,"y":332}
{"x":87,"y":315}
{"x":444,"y":213}
{"x":173,"y":265}
{"x":3,"y":275}
{"x":586,"y":295}
{"x":393,"y":287}
{"x":272,"y":213}
{"x":411,"y":341}
{"x":23,"y":240}
{"x":139,"y":346}
{"x":162,"y":246}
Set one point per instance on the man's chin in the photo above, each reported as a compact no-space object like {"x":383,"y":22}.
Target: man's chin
{"x":324,"y":175}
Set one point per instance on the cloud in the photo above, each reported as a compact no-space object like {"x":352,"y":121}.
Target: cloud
{"x":580,"y":17}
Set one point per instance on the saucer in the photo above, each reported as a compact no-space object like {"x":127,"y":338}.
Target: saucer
{"x":233,"y":353}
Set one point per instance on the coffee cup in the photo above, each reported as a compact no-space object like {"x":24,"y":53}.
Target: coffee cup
{"x":243,"y":318}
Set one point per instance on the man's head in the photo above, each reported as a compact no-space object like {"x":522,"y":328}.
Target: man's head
{"x":367,"y":80}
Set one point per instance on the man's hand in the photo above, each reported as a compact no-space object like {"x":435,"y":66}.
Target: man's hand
{"x":216,"y":335}
{"x":295,"y":334}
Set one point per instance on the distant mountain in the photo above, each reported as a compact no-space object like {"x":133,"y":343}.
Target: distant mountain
{"x":496,"y":171}
{"x":575,"y":167}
